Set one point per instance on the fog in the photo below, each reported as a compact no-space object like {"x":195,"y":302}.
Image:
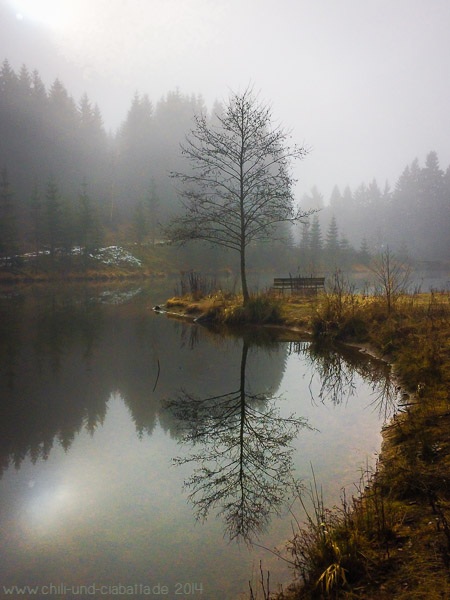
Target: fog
{"x":363,"y":84}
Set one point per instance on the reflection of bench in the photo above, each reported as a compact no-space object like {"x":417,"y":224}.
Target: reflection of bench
{"x":299,"y":285}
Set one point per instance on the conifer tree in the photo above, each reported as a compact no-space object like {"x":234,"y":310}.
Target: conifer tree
{"x":24,"y":82}
{"x":88,"y":230}
{"x":332,"y":236}
{"x":140,"y":223}
{"x":335,"y":198}
{"x":345,"y":252}
{"x":37,"y":224}
{"x":305,"y":247}
{"x":331,"y":247}
{"x":434,"y":209}
{"x":316,"y":243}
{"x":364,"y":252}
{"x":53,"y":218}
{"x":8,"y":224}
{"x":38,"y":90}
{"x":8,"y":82}
{"x":153,"y":205}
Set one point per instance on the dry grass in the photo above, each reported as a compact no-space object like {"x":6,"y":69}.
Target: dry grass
{"x":400,"y":524}
{"x":298,"y":311}
{"x":391,"y":540}
{"x":228,"y":309}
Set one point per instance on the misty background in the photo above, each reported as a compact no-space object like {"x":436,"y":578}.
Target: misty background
{"x":95,"y":97}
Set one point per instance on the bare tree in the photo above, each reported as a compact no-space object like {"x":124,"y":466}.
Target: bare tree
{"x":240,"y":185}
{"x":392,"y":276}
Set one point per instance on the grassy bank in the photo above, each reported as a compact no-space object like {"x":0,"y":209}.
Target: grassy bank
{"x":111,"y":263}
{"x":263,"y":309}
{"x":391,"y":538}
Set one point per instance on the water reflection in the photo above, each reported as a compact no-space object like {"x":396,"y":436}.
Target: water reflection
{"x":241,"y":449}
{"x":46,"y":347}
{"x":338,"y":369}
{"x":84,"y":423}
{"x":64,"y":352}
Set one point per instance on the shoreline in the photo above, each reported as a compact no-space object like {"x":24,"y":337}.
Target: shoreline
{"x":409,"y":555}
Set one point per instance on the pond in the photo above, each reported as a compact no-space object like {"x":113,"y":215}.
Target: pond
{"x":149,"y":453}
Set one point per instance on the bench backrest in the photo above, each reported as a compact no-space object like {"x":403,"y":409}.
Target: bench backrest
{"x":299,"y":282}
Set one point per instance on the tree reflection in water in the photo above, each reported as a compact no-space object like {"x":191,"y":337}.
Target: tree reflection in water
{"x":242,"y":446}
{"x":338,"y":369}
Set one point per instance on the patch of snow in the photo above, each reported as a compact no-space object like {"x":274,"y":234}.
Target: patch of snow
{"x":116,"y":255}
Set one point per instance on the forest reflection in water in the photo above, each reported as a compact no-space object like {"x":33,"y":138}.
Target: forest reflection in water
{"x":102,"y":395}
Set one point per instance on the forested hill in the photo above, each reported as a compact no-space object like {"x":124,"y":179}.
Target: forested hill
{"x":66,"y":180}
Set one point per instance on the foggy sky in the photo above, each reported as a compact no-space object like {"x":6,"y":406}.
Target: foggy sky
{"x":364,"y":83}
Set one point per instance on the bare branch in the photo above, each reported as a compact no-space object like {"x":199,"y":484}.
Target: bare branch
{"x":239,"y":187}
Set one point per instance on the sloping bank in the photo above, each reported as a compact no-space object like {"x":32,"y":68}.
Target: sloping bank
{"x":391,"y":540}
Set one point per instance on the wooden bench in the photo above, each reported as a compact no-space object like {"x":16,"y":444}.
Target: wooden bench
{"x":299,"y":285}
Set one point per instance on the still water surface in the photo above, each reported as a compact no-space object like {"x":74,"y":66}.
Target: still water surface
{"x":135,"y":449}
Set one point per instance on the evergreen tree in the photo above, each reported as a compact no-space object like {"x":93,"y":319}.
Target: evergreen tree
{"x":38,"y":134}
{"x":8,"y":83}
{"x":88,"y":230}
{"x":63,"y":143}
{"x":405,"y":202}
{"x":8,"y":225}
{"x":91,"y":150}
{"x":24,"y":83}
{"x":305,"y":247}
{"x":445,"y":240}
{"x":435,"y":216}
{"x":140,"y":223}
{"x":313,"y":200}
{"x":336,"y":199}
{"x":136,"y":150}
{"x":153,"y":206}
{"x":316,"y":243}
{"x":361,"y":197}
{"x":37,"y":224}
{"x":331,"y":245}
{"x":53,"y":218}
{"x":345,"y":252}
{"x":9,"y":115}
{"x":387,"y":193}
{"x":38,"y":91}
{"x":332,"y":239}
{"x":69,"y":229}
{"x":364,"y":252}
{"x":134,"y":135}
{"x":419,"y":204}
{"x":347,"y":198}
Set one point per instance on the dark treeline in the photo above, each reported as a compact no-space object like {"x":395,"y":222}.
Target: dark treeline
{"x":65,"y":181}
{"x":413,"y":218}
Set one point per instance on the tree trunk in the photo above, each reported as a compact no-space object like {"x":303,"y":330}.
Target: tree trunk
{"x":245,"y":294}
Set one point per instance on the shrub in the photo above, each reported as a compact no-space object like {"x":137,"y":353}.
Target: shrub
{"x":261,"y":309}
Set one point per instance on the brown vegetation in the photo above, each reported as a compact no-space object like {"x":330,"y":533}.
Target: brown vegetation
{"x":392,"y":538}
